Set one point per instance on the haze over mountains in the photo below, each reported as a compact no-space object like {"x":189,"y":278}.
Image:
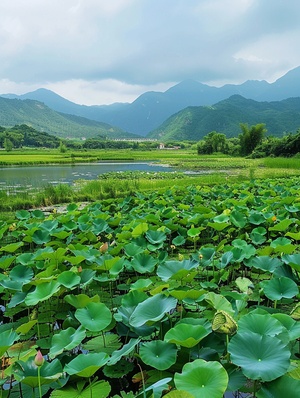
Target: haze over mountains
{"x":146,"y":114}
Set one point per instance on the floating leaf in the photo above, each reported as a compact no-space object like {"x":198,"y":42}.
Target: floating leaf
{"x":94,"y":317}
{"x":153,"y":309}
{"x":42,"y":292}
{"x":85,"y":365}
{"x":202,"y":379}
{"x":66,"y":340}
{"x":277,"y":288}
{"x":186,"y":335}
{"x":158,"y":354}
{"x":261,"y":357}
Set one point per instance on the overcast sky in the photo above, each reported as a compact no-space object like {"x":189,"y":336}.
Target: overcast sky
{"x":105,"y":51}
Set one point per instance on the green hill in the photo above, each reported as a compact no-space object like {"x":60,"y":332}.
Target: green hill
{"x":37,"y":115}
{"x":193,"y":123}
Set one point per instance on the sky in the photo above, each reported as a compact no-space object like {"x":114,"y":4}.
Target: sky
{"x":98,"y":52}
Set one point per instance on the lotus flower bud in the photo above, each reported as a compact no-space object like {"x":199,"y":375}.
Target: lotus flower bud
{"x":39,"y":359}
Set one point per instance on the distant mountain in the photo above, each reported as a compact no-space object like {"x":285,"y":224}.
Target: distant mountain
{"x":39,"y":116}
{"x":151,"y":109}
{"x":193,"y":123}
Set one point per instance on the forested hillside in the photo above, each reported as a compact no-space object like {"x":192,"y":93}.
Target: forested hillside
{"x":42,"y":118}
{"x":193,"y":123}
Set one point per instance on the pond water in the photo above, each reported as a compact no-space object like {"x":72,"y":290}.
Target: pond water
{"x":38,"y":176}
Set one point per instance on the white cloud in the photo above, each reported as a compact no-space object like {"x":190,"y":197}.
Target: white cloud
{"x":110,"y":50}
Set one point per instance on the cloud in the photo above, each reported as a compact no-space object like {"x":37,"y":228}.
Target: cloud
{"x":122,"y":46}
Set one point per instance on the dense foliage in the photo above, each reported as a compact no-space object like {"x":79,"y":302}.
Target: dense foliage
{"x":193,"y":123}
{"x":42,"y":118}
{"x":188,"y":292}
{"x":23,"y":135}
{"x":251,"y":142}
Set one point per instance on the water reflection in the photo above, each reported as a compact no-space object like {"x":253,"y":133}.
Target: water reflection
{"x":37,"y":176}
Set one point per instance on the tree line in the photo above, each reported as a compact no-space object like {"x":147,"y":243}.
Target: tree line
{"x":252,"y":142}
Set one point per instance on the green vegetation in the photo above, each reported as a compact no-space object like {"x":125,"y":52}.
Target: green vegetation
{"x":40,"y":117}
{"x":189,"y":291}
{"x":195,"y":122}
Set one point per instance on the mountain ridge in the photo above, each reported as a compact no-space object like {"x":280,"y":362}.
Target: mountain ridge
{"x":151,"y":109}
{"x":193,"y":123}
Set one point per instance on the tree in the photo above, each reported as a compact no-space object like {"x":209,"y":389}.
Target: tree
{"x":212,"y":142}
{"x":251,"y":137}
{"x":62,"y":147}
{"x":8,"y":146}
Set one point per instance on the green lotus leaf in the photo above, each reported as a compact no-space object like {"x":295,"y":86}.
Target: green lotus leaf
{"x":166,"y":270}
{"x":290,"y":324}
{"x":178,"y":241}
{"x":25,"y":327}
{"x":66,"y":340}
{"x":69,"y":279}
{"x":125,"y":350}
{"x":12,"y":247}
{"x":120,"y":369}
{"x":238,"y":219}
{"x":262,"y":324}
{"x":282,"y":225}
{"x":22,"y":214}
{"x":143,"y":263}
{"x":80,"y":300}
{"x":42,"y":292}
{"x":27,"y":372}
{"x":8,"y":337}
{"x":186,"y":335}
{"x":85,"y":365}
{"x":244,"y":284}
{"x":261,"y":357}
{"x":40,"y":237}
{"x":140,"y":229}
{"x":99,"y":389}
{"x":21,"y":273}
{"x":219,"y":302}
{"x":277,"y":288}
{"x":256,"y":218}
{"x":202,"y":379}
{"x":218,"y":226}
{"x":284,"y":386}
{"x":264,"y":263}
{"x":6,"y":261}
{"x":225,"y":259}
{"x":293,"y":260}
{"x":153,"y":309}
{"x":107,"y":342}
{"x":158,"y":354}
{"x":94,"y":316}
{"x":155,"y":237}
{"x":179,"y":394}
{"x":132,"y":249}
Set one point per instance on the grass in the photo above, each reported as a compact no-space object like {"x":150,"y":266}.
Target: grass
{"x":221,"y":169}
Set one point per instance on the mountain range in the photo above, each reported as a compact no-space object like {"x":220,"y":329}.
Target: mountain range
{"x":148,"y":112}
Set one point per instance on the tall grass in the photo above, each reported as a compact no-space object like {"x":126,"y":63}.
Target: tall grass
{"x":282,"y":163}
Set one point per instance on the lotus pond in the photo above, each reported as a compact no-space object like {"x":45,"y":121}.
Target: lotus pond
{"x":190,"y":292}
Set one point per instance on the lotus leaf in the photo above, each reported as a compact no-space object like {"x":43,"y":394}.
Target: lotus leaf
{"x":169,"y":268}
{"x":85,"y":365}
{"x":152,"y":309}
{"x":8,"y":337}
{"x":125,"y":350}
{"x":42,"y":292}
{"x":27,"y":372}
{"x":284,"y":386}
{"x":94,"y":316}
{"x":143,"y":263}
{"x":159,"y":354}
{"x":260,"y":323}
{"x":277,"y":288}
{"x":186,"y":335}
{"x":202,"y":379}
{"x":66,"y":340}
{"x":261,"y":357}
